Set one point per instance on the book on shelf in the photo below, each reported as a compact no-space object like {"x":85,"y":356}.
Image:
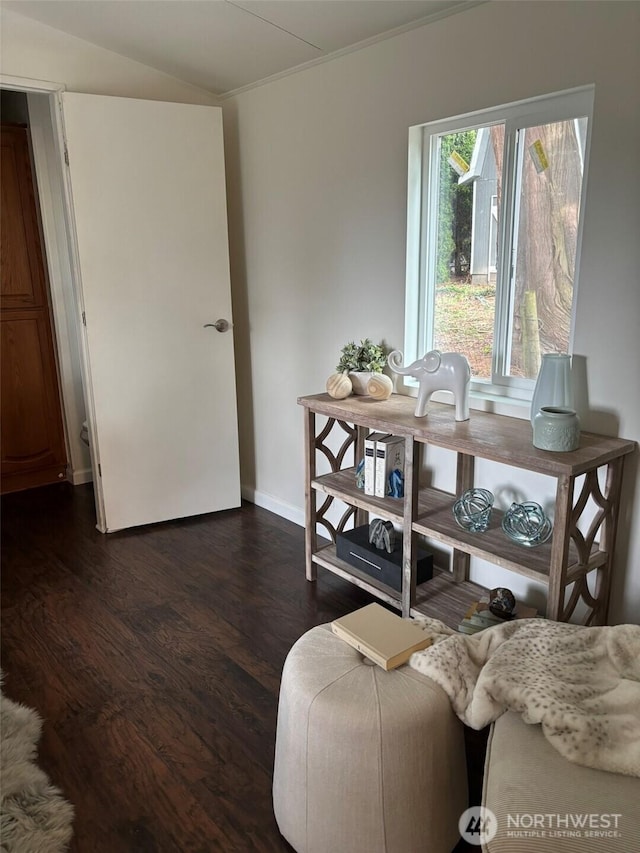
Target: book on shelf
{"x":384,"y":637}
{"x":389,"y":458}
{"x":484,"y":620}
{"x":466,"y":628}
{"x":370,"y":448}
{"x":478,"y":617}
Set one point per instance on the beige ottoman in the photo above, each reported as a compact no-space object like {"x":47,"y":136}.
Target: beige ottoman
{"x":366,"y":761}
{"x":546,"y":804}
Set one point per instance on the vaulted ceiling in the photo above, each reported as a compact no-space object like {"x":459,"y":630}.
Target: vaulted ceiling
{"x":225,"y":45}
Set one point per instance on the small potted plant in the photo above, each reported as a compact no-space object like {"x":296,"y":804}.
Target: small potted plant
{"x":360,"y":361}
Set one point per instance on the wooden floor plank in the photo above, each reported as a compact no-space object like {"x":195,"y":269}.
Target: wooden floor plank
{"x":154,"y":656}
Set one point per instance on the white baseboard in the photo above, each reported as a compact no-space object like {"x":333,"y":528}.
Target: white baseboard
{"x":284,"y":510}
{"x":261,"y":499}
{"x":80,"y":476}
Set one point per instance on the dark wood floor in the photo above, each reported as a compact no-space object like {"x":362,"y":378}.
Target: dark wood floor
{"x":154,"y":656}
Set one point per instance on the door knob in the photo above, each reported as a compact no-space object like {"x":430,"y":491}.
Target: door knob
{"x":220,"y":325}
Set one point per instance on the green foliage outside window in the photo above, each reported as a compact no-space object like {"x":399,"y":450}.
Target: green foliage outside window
{"x":455,"y":208}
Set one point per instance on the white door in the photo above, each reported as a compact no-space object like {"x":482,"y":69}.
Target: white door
{"x":149,"y":209}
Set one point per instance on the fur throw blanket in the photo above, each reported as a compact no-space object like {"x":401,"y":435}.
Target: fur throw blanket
{"x":581,"y":684}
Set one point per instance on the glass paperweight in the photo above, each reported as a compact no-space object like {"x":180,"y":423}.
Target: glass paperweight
{"x":472,"y":510}
{"x":527,"y":524}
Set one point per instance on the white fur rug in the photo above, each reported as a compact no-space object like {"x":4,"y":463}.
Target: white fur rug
{"x":34,"y":816}
{"x":581,"y":684}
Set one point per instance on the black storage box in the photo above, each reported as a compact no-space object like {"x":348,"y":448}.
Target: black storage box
{"x":353,"y":547}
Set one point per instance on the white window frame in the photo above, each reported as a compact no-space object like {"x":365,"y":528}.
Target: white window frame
{"x":422,"y":225}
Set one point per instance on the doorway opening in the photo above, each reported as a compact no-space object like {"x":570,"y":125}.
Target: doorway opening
{"x":43,"y":399}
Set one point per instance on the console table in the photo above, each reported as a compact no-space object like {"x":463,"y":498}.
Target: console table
{"x":589,"y":476}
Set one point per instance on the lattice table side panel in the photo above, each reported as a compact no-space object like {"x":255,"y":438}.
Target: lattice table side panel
{"x":584,"y":542}
{"x":603,"y":517}
{"x":333,"y":528}
{"x":336,"y":461}
{"x":581,"y":598}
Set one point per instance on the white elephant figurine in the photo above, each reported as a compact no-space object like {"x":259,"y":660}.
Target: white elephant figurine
{"x":437,"y":371}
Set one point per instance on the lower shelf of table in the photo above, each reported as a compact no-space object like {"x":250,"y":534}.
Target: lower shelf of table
{"x":440,"y":598}
{"x":444,"y":599}
{"x":435,"y":520}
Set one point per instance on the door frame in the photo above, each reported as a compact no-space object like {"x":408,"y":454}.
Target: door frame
{"x":55,"y":202}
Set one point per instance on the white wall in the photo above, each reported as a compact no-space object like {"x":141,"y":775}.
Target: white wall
{"x":317,"y":203}
{"x":32,"y":50}
{"x":49,"y":180}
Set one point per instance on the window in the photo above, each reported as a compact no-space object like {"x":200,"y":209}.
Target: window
{"x":493,"y":236}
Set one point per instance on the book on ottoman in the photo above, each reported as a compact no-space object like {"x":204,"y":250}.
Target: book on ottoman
{"x":353,"y":547}
{"x":382,"y":636}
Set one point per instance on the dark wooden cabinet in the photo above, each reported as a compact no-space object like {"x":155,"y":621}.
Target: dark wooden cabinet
{"x":32,"y":438}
